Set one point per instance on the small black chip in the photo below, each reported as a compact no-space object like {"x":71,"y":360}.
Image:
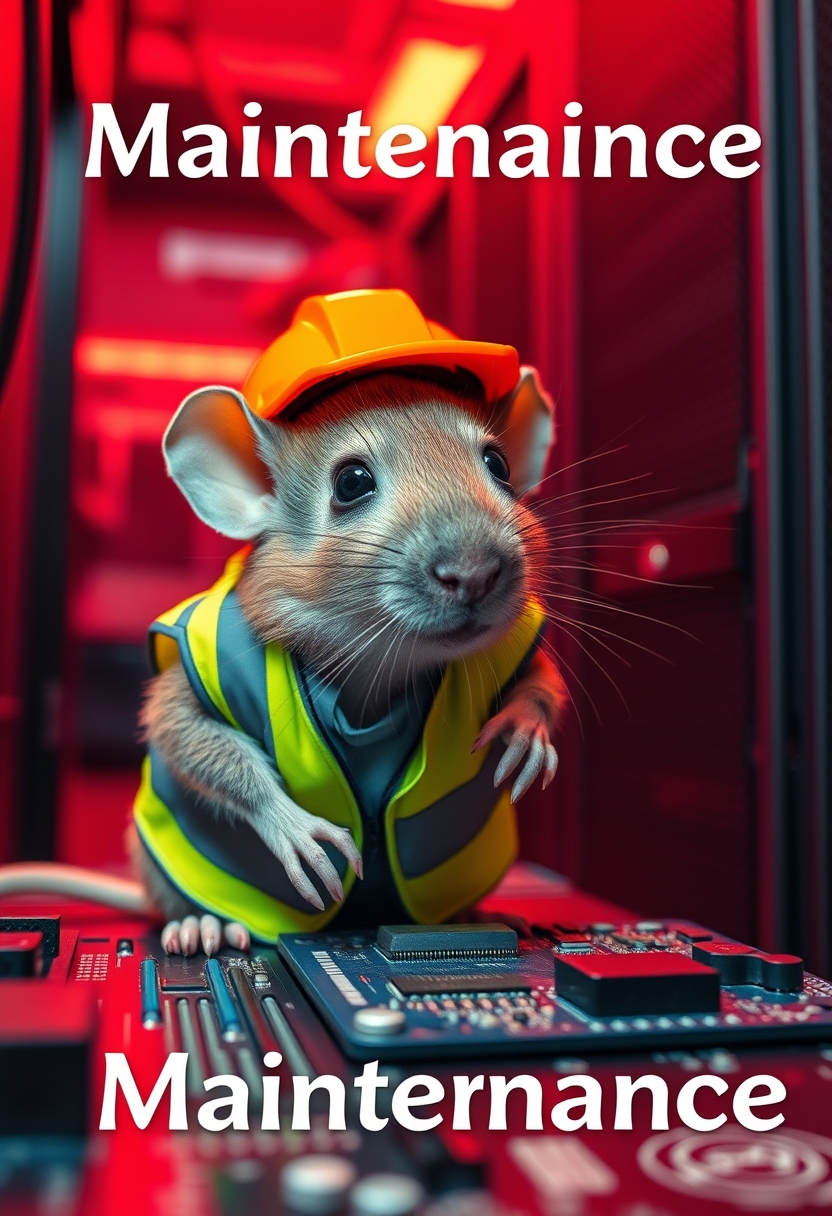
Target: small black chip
{"x":629,"y":985}
{"x":460,"y":985}
{"x":446,"y":941}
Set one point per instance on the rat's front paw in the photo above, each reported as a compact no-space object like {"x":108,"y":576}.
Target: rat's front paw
{"x":186,"y":936}
{"x":293,"y":835}
{"x":524,"y":728}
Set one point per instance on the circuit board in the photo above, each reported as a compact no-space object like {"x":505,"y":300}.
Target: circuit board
{"x":650,"y":985}
{"x":78,"y":984}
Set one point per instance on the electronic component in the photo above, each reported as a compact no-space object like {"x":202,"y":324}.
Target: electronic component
{"x":611,"y":985}
{"x":178,"y":973}
{"x":380,"y":1019}
{"x":568,"y":939}
{"x":689,"y":933}
{"x":739,"y":964}
{"x":45,"y":1046}
{"x":406,"y":1011}
{"x":225,"y":1007}
{"x":570,"y":987}
{"x":149,"y":984}
{"x":317,"y":1184}
{"x":446,"y":941}
{"x":20,"y":954}
{"x":386,"y":1195}
{"x":456,"y":985}
{"x":241,"y":987}
{"x":49,"y":927}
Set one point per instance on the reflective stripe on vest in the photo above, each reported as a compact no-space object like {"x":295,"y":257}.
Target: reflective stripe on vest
{"x":449,"y":836}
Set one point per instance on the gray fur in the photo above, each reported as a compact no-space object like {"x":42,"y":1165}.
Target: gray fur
{"x":233,"y":777}
{"x":225,"y":767}
{"x":210,"y":454}
{"x":435,"y":502}
{"x":353,"y":592}
{"x":161,"y":894}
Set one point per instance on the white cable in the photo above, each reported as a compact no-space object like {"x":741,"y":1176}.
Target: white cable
{"x":49,"y":878}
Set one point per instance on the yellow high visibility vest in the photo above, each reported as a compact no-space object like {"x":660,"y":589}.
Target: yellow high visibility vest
{"x":449,"y":835}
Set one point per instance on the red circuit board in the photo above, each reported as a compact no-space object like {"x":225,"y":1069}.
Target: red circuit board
{"x":93,"y":989}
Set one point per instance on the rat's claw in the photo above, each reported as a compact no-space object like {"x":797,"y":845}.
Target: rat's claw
{"x":210,"y":932}
{"x":300,"y":882}
{"x":550,"y":765}
{"x":316,"y":858}
{"x":189,"y":935}
{"x":344,"y":843}
{"x":511,"y":756}
{"x":493,"y":727}
{"x":237,"y":935}
{"x":533,"y":765}
{"x":170,"y":938}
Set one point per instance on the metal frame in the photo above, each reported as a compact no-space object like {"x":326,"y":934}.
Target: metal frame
{"x":818,"y":488}
{"x":31,"y":161}
{"x":793,"y":591}
{"x":45,"y":608}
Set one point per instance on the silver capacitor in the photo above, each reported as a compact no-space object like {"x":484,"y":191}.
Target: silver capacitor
{"x":317,"y":1184}
{"x":386,"y":1195}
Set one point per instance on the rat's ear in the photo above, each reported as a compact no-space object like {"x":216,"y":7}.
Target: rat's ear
{"x":211,"y":453}
{"x":525,"y":422}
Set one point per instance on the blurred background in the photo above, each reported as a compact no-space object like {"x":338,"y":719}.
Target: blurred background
{"x":679,"y":325}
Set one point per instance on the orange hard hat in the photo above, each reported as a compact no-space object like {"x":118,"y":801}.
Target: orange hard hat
{"x":361,"y":331}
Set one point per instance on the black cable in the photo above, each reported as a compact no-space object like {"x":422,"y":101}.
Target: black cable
{"x":31,"y":162}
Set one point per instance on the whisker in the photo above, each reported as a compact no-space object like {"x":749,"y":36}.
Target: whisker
{"x":342,"y":538}
{"x":593,"y":629}
{"x":576,"y":464}
{"x":607,"y":607}
{"x":344,"y":661}
{"x":600,"y":666}
{"x":547,"y":647}
{"x":377,"y":674}
{"x":589,"y":631}
{"x":608,"y":502}
{"x":636,"y":578}
{"x":596,"y":489}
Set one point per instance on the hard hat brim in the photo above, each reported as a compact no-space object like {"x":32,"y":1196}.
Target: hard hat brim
{"x":497,"y":368}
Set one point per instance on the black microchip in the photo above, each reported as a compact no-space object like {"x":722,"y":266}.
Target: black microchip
{"x":20,"y":954}
{"x":615,"y":985}
{"x":446,"y":941}
{"x":460,"y":985}
{"x":690,"y":933}
{"x":48,"y":926}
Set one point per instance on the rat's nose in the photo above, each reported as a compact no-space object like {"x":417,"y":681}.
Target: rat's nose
{"x":468,"y":582}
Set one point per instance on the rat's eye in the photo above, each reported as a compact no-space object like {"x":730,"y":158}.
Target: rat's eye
{"x":353,"y":482}
{"x":497,"y":465}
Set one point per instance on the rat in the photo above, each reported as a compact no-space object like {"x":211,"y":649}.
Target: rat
{"x":327,"y":720}
{"x":388,"y":540}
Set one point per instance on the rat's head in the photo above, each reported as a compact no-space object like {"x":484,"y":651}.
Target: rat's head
{"x":386,"y":516}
